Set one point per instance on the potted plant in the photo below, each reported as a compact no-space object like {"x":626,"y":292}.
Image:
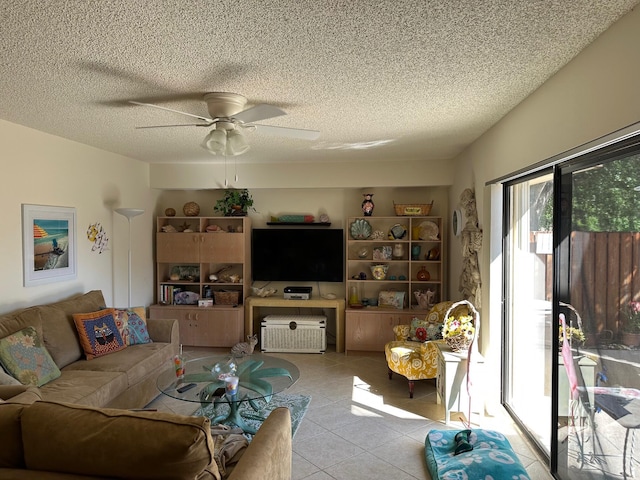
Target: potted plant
{"x":235,"y":202}
{"x":631,"y":327}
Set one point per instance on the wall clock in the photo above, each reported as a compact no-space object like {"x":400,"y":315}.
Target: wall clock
{"x":456,"y":222}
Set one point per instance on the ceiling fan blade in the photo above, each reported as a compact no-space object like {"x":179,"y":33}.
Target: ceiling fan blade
{"x":179,"y":125}
{"x":199,"y":117}
{"x":299,"y":133}
{"x":259,"y":112}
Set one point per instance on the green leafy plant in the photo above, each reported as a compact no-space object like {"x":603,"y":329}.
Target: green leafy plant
{"x":235,"y":202}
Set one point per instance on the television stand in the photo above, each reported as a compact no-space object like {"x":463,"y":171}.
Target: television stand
{"x":252,"y":322}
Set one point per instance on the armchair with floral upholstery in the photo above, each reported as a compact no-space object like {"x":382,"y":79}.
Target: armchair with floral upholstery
{"x":413,"y":354}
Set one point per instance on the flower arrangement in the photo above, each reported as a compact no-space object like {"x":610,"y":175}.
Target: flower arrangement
{"x":573,"y":335}
{"x":631,"y":312}
{"x":455,"y":326}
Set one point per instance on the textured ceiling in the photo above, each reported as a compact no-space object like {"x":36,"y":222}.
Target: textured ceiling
{"x":381,"y":80}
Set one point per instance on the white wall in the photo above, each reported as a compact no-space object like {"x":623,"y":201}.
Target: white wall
{"x":42,"y":169}
{"x":594,"y":95}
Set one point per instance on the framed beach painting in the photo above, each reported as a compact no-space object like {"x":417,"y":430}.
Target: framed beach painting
{"x":48,"y":244}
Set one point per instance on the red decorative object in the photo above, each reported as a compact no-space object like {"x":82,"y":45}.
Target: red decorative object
{"x":423,"y":274}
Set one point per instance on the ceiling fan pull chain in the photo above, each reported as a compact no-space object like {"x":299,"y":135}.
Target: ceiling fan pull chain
{"x":226,"y":183}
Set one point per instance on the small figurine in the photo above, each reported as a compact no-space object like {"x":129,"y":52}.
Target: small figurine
{"x":245,"y":348}
{"x":367,"y":204}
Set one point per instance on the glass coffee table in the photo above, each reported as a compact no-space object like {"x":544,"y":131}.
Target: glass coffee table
{"x":259,"y":378}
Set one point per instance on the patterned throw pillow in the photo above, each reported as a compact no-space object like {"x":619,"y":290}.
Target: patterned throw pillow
{"x":98,"y":333}
{"x":423,"y":330}
{"x":418,"y":331}
{"x":23,"y":355}
{"x":132,"y":325}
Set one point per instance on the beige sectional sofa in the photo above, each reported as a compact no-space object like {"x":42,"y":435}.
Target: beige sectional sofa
{"x":61,"y":441}
{"x":122,"y":379}
{"x":63,"y":429}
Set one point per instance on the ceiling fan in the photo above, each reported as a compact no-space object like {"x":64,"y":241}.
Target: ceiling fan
{"x":229,"y":118}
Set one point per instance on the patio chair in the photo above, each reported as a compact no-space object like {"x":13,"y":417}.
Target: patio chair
{"x":620,"y":403}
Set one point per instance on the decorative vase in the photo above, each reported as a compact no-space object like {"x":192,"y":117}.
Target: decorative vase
{"x":353,"y":297}
{"x":398,"y":251}
{"x":423,"y":274}
{"x":415,"y":252}
{"x":367,"y":204}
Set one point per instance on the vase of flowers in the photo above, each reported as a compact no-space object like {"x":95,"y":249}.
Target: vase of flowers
{"x":574,"y":335}
{"x":459,"y":330}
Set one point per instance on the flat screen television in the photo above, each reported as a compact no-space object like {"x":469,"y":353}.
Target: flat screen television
{"x":297,"y":254}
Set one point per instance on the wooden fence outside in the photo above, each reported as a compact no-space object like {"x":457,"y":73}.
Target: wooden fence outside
{"x":605,"y":277}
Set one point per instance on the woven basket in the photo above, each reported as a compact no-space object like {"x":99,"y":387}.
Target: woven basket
{"x":226,"y":297}
{"x":412,"y":209}
{"x":191,"y":209}
{"x":461,"y":343}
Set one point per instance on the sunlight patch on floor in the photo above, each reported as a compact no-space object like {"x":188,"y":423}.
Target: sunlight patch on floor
{"x":373,"y":402}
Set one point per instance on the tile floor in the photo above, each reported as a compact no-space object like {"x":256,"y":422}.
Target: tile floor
{"x":361,"y":425}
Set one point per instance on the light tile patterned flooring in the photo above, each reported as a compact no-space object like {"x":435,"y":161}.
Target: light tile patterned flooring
{"x":361,"y":425}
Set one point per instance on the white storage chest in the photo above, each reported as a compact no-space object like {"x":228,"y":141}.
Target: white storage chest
{"x":294,"y":333}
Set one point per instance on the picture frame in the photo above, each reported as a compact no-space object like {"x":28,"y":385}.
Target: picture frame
{"x":48,"y":244}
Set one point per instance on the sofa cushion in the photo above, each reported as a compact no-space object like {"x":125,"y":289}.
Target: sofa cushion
{"x":85,"y":387}
{"x":132,"y":325}
{"x":13,"y":323}
{"x":59,"y":330}
{"x":136,"y":361}
{"x":98,"y":333}
{"x":116,"y":443}
{"x":25,"y":394}
{"x":25,"y":358}
{"x":11,"y":453}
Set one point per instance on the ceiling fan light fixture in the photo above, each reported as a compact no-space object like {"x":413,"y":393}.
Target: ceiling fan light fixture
{"x":236,"y":143}
{"x":215,"y":142}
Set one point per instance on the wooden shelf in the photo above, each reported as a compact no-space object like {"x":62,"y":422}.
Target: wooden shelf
{"x":303,"y":224}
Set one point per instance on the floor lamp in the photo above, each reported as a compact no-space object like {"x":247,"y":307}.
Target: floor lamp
{"x":129,"y":213}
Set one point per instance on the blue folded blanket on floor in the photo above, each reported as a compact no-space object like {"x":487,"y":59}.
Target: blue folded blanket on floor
{"x":491,"y":458}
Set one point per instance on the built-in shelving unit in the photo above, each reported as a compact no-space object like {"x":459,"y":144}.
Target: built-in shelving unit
{"x":406,"y":256}
{"x":185,"y":260}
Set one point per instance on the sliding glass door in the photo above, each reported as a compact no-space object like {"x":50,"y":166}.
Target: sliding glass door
{"x":571,"y":293}
{"x":598,"y":288}
{"x":528,"y":327}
